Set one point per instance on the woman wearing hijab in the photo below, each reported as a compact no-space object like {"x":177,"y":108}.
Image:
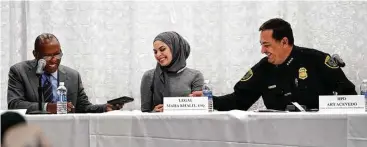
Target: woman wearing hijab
{"x":171,"y":77}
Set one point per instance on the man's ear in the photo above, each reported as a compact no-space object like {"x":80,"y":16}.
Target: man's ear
{"x":34,"y":54}
{"x":285,"y":41}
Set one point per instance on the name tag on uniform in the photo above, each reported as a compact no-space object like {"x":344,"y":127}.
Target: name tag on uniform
{"x":185,"y":104}
{"x":272,"y":86}
{"x":342,"y":103}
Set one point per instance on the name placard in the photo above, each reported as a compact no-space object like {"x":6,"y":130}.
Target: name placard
{"x":180,"y":104}
{"x":342,"y":103}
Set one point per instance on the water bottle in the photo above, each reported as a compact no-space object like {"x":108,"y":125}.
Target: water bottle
{"x":62,"y":103}
{"x":207,"y":92}
{"x":363,"y":89}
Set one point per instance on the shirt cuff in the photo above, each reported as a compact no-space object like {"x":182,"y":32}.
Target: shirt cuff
{"x":45,"y":107}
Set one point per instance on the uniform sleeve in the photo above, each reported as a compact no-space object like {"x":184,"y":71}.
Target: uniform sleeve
{"x":334,"y":77}
{"x":246,"y":92}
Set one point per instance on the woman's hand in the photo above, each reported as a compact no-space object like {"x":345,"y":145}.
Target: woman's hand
{"x":196,"y":94}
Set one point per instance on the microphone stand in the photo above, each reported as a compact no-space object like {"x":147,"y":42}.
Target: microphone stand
{"x":40,"y":98}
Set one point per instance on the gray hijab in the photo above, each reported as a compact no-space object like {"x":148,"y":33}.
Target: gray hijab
{"x":180,"y":50}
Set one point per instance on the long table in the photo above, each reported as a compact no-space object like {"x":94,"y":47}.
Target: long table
{"x":217,"y":129}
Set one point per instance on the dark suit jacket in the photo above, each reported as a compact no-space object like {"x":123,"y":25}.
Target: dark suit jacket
{"x":23,"y":84}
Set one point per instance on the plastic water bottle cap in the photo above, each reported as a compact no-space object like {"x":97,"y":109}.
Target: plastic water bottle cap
{"x":62,"y":84}
{"x":206,"y":81}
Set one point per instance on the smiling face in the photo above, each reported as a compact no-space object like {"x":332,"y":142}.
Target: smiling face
{"x":275,"y":50}
{"x":51,"y":52}
{"x":162,"y":53}
{"x":276,"y":39}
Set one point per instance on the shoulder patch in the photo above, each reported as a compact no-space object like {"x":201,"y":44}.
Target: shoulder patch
{"x":247,"y":76}
{"x":330,"y":62}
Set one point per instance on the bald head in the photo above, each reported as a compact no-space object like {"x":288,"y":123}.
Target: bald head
{"x":45,"y":38}
{"x":47,"y":47}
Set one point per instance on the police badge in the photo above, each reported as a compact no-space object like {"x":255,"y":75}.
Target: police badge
{"x":302,"y":73}
{"x":247,"y":76}
{"x":330,"y":62}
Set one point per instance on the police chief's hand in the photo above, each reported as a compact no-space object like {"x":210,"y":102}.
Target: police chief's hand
{"x":158,"y":108}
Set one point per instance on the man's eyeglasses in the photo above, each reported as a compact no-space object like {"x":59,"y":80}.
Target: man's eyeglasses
{"x":49,"y":57}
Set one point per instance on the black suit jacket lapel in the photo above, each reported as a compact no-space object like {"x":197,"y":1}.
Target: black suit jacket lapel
{"x":32,"y":77}
{"x":62,"y":76}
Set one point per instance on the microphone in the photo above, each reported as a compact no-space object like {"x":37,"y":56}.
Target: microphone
{"x":40,"y":66}
{"x":338,"y":60}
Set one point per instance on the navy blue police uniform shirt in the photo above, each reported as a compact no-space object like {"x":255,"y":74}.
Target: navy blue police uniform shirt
{"x":303,"y":77}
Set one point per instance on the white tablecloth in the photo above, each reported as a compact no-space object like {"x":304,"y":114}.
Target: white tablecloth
{"x":219,"y":129}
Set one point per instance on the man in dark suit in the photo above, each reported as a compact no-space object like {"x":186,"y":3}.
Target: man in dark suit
{"x":23,"y":81}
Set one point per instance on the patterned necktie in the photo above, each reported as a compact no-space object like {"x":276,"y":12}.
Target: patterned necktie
{"x":47,"y":89}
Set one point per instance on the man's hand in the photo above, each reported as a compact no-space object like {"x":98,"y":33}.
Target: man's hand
{"x":111,"y":107}
{"x":52,"y":107}
{"x":70,"y":107}
{"x":158,"y":108}
{"x":196,"y":94}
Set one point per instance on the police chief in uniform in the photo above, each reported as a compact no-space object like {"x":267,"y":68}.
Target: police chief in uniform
{"x":288,"y":74}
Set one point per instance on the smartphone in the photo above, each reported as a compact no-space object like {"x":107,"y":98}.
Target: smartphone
{"x":120,"y":100}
